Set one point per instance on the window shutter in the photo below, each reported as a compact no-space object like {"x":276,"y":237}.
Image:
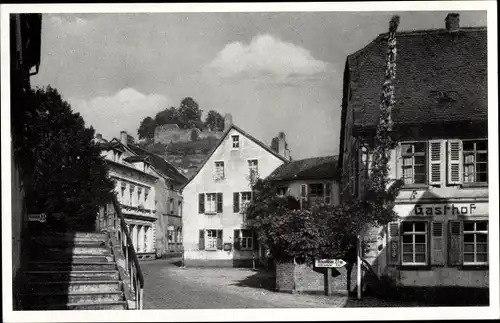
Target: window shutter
{"x":303,"y":190}
{"x":236,"y":239}
{"x":328,"y":193}
{"x":219,"y":202}
{"x":393,"y":245}
{"x":201,"y":203}
{"x":255,"y":241}
{"x":219,"y":239}
{"x":236,"y":202}
{"x":455,"y":156}
{"x":455,"y":243}
{"x":201,"y":241}
{"x":435,"y":161}
{"x":437,"y":244}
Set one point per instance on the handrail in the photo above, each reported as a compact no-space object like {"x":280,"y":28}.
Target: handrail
{"x":133,"y":268}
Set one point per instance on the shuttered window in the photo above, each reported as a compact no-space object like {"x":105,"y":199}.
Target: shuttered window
{"x":454,"y":243}
{"x":454,"y":161}
{"x":236,"y":202}
{"x":414,"y":162}
{"x":435,"y":162}
{"x":475,"y":161}
{"x":393,"y":244}
{"x":414,"y":243}
{"x":475,"y":242}
{"x":246,"y":240}
{"x":211,"y":240}
{"x":437,"y":243}
{"x":211,"y":203}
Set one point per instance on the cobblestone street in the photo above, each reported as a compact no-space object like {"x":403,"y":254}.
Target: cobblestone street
{"x":168,"y":286}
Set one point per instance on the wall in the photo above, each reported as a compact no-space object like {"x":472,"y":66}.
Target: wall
{"x":236,"y":172}
{"x":292,"y":277}
{"x":166,"y":136}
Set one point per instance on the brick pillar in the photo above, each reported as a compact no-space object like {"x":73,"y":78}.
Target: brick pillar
{"x":285,"y":276}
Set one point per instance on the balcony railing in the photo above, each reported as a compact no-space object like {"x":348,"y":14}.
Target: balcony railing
{"x":114,"y":222}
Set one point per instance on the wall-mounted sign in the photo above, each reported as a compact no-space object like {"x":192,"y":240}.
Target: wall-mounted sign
{"x":42,"y":217}
{"x":447,"y":209}
{"x":170,"y":228}
{"x":228,"y":246}
{"x":329,"y":263}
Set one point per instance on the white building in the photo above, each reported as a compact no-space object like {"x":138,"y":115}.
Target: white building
{"x":135,"y":181}
{"x":214,"y":231}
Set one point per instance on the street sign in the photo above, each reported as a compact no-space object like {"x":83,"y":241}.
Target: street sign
{"x":329,"y":263}
{"x":42,"y":217}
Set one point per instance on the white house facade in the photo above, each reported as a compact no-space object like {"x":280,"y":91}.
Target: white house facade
{"x":214,"y":232}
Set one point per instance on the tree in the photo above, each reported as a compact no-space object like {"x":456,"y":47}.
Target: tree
{"x":68,"y":175}
{"x":147,"y":128}
{"x":168,"y":116}
{"x":331,"y":231}
{"x":194,"y":135}
{"x":214,"y":121}
{"x":130,"y":140}
{"x":189,"y":113}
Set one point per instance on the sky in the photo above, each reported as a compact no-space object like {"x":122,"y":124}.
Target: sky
{"x":273,"y":71}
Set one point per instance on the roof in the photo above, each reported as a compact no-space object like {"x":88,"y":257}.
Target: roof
{"x":226,"y":132}
{"x":161,"y":165}
{"x":310,"y":168}
{"x":110,"y":145}
{"x":441,"y":76}
{"x":138,"y":158}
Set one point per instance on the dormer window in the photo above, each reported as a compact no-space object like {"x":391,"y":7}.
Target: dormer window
{"x":236,"y":141}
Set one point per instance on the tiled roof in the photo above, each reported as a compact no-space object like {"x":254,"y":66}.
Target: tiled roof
{"x":161,"y":165}
{"x":440,"y":77}
{"x":137,"y":158}
{"x":310,"y":168}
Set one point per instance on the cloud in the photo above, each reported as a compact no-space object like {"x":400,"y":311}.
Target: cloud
{"x":122,"y":111}
{"x":266,"y":57}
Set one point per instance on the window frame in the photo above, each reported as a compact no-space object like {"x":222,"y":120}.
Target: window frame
{"x":248,"y":240}
{"x":474,"y":152}
{"x":244,"y":203}
{"x":207,"y":209}
{"x":414,"y":233}
{"x":253,"y":165}
{"x":475,"y":232}
{"x":413,"y":154}
{"x":209,"y":237}
{"x":235,"y":144}
{"x":217,"y":176}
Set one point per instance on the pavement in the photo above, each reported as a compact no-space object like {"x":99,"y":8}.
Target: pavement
{"x":168,"y":286}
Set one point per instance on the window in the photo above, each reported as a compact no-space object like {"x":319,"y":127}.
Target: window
{"x":253,"y":166}
{"x":414,"y":162}
{"x":414,"y":235}
{"x":316,"y":190}
{"x":122,"y":196}
{"x":171,"y":205}
{"x":179,"y":208}
{"x":146,"y":239}
{"x":246,"y":198}
{"x":475,"y":242}
{"x":139,"y":192}
{"x":146,"y":193}
{"x":246,"y":240}
{"x":320,"y":192}
{"x":236,"y":141}
{"x":475,"y":161}
{"x":211,"y":203}
{"x":219,"y":170}
{"x":131,"y":191}
{"x":282,"y":190}
{"x":170,"y":234}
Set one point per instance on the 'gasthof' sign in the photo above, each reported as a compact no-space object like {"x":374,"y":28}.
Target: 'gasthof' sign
{"x":448,"y":209}
{"x":329,"y":263}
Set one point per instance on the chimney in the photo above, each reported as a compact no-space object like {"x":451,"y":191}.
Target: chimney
{"x":452,"y":22}
{"x":228,"y":121}
{"x":124,"y":138}
{"x":282,"y":146}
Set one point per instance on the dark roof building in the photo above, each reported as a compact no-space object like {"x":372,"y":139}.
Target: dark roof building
{"x":441,"y":78}
{"x":304,"y":169}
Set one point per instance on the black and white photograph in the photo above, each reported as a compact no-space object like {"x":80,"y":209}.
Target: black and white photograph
{"x":250,"y":161}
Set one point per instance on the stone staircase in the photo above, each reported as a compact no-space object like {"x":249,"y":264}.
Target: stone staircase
{"x":72,"y":271}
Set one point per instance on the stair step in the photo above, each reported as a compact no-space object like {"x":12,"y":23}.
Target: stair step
{"x":71,"y":275}
{"x":73,"y":287}
{"x":64,"y":253}
{"x":65,"y":235}
{"x":119,"y":305}
{"x":75,"y":298}
{"x":72,"y":266}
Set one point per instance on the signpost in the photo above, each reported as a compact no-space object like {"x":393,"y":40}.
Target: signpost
{"x":42,"y":217}
{"x":329,"y":264}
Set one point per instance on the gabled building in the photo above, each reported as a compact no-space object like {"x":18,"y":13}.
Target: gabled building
{"x":168,"y":205}
{"x":310,"y":181}
{"x":440,"y":124}
{"x":214,"y":231}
